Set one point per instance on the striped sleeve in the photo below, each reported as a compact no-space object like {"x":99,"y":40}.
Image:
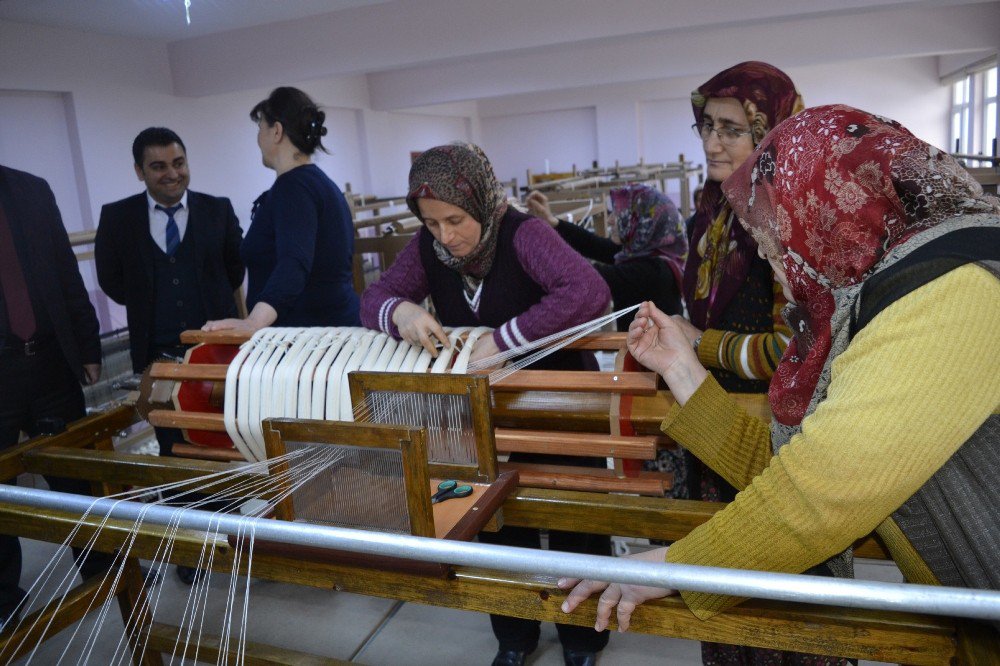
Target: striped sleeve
{"x":748,"y":355}
{"x":405,"y":280}
{"x":574,"y":291}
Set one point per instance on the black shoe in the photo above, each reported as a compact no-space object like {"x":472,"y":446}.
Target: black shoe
{"x":150,"y":577}
{"x":188,"y":575}
{"x":579,"y":657}
{"x":511,"y":657}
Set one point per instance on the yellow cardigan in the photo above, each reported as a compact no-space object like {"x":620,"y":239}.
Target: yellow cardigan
{"x":910,"y":389}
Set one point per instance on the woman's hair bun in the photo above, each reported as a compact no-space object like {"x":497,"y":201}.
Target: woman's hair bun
{"x":301,"y":118}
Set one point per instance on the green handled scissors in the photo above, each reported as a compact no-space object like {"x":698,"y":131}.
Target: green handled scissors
{"x":450,"y":489}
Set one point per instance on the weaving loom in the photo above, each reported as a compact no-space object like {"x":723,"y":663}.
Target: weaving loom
{"x":84,"y":449}
{"x":222,"y":394}
{"x":524,"y":402}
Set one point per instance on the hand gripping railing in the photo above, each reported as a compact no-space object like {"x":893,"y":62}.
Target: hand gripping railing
{"x":949,"y":601}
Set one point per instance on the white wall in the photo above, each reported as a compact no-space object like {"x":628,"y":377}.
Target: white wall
{"x":652,"y":120}
{"x":102,"y":90}
{"x":521,"y":141}
{"x":393,"y":136}
{"x":118,"y":86}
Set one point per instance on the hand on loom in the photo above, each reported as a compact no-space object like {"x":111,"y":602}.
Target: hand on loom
{"x":538,"y":205}
{"x":485,"y":347}
{"x":623,"y":596}
{"x":658,"y":342}
{"x":262,"y":315}
{"x":417,"y":326}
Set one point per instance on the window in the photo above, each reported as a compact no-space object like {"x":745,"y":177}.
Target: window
{"x":974,"y":115}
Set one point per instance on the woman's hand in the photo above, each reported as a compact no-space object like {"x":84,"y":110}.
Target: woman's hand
{"x":538,"y":205}
{"x":91,"y":373}
{"x":625,"y":597}
{"x":690,"y":330}
{"x":239,"y":325}
{"x":658,"y":342}
{"x":485,"y":347}
{"x":418,"y":327}
{"x":262,"y":315}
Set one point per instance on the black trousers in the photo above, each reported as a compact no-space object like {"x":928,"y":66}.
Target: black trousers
{"x":515,"y":633}
{"x":33,"y":388}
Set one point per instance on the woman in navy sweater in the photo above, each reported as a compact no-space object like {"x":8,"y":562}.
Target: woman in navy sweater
{"x":298,"y":250}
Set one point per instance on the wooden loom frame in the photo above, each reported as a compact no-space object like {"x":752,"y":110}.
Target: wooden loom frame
{"x":475,"y":387}
{"x":460,"y":520}
{"x":411,"y":443}
{"x":882,"y":636}
{"x":521,"y":433}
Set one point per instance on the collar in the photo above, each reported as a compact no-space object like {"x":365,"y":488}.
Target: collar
{"x":151,"y":203}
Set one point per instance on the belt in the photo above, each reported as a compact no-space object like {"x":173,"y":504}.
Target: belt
{"x":17,"y":347}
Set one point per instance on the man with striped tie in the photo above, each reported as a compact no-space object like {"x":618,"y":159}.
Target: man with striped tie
{"x":169,"y":255}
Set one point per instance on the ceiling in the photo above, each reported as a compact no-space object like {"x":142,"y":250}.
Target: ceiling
{"x":165,"y":19}
{"x":424,"y":52}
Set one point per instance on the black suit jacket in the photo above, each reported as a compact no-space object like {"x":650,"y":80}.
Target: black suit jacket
{"x":124,"y":254}
{"x":50,"y":267}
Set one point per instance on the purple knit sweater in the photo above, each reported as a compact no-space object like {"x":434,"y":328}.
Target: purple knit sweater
{"x":574,"y":291}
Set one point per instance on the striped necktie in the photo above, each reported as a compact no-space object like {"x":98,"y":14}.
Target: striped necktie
{"x":173,"y":233}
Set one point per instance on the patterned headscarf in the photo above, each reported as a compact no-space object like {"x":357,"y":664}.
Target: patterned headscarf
{"x":721,"y":251}
{"x":648,"y":225}
{"x":461,"y":174}
{"x":831,"y":191}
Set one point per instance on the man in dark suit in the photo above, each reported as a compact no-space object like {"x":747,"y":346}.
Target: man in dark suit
{"x":169,"y":255}
{"x":49,"y":342}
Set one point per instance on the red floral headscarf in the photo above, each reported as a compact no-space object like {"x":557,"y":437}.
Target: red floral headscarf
{"x":830,"y":191}
{"x":721,"y":252}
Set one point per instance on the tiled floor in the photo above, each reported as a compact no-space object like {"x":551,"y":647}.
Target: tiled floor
{"x":366,"y":630}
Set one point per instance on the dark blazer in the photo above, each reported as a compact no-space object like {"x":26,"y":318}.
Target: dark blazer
{"x":50,"y":267}
{"x":124,"y":254}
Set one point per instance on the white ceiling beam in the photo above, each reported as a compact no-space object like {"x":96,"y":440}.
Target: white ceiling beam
{"x":904,"y":32}
{"x":405,"y":33}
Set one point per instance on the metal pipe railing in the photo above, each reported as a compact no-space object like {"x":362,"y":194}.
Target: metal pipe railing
{"x":949,"y":601}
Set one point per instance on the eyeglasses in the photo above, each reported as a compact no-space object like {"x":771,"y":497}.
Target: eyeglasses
{"x":728,"y":136}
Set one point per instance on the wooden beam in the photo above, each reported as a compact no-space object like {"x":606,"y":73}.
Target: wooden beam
{"x":875,"y":635}
{"x":594,"y":341}
{"x":579,"y":381}
{"x":645,"y":517}
{"x":205,"y":372}
{"x":591,"y":479}
{"x":163,"y":638}
{"x":575,"y":444}
{"x":54,"y":617}
{"x":636,"y":383}
{"x":165,"y":418}
{"x":84,"y":432}
{"x":125,"y":469}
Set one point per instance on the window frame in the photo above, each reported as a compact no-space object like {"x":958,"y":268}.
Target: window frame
{"x":972,"y":130}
